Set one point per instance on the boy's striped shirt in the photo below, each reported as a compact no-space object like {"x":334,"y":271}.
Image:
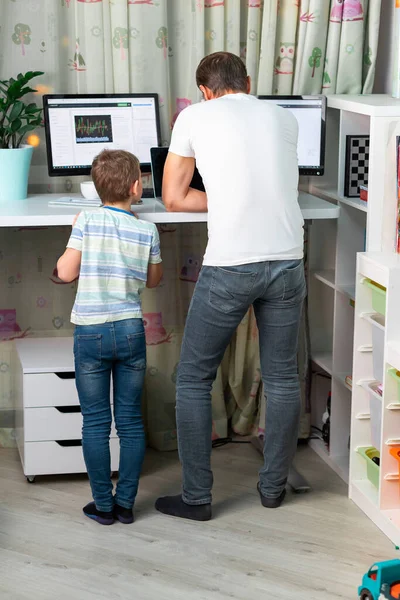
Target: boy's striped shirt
{"x":116,"y":251}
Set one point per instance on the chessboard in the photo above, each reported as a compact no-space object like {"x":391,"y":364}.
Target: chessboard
{"x":357,"y":164}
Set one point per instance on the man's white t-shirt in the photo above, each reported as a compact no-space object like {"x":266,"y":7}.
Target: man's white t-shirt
{"x":246,"y":153}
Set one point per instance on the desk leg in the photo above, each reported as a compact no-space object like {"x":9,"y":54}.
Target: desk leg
{"x":296,"y":481}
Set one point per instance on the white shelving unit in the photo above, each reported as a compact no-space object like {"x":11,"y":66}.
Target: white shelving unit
{"x":382,"y":503}
{"x":333,"y":248}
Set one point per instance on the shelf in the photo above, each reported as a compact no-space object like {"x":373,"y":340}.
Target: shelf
{"x":392,"y":477}
{"x":372,"y":105}
{"x":355,"y":203}
{"x":323,"y":360}
{"x":366,"y":497}
{"x":347,"y":290}
{"x":367,"y":490}
{"x":326,"y":277}
{"x":393,"y":516}
{"x":339,"y":464}
{"x":331,"y":193}
{"x":363,"y":416}
{"x":392,"y":442}
{"x":375,"y":319}
{"x":341,"y":377}
{"x":393,"y":354}
{"x":342,"y":466}
{"x":370,"y":387}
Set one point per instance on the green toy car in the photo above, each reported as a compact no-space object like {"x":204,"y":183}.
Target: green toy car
{"x":381,"y":582}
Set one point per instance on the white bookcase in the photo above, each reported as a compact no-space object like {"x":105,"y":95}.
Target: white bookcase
{"x":381,"y":503}
{"x":333,"y":248}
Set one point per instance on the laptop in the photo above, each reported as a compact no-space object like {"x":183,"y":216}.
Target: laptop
{"x":158,"y":157}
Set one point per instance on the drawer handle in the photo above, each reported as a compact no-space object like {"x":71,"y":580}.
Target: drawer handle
{"x":65,"y":375}
{"x":69,"y":443}
{"x":68,"y":409}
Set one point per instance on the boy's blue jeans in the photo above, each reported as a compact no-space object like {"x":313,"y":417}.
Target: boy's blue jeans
{"x":221,"y":299}
{"x":119,"y":349}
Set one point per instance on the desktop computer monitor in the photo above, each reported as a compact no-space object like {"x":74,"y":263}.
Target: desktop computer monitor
{"x":78,"y":127}
{"x":310,"y":112}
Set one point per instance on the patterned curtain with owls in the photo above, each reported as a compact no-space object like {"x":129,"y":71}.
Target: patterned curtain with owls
{"x":95,"y":46}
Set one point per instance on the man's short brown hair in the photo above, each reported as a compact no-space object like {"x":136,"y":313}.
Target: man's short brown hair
{"x":222,"y":72}
{"x":113,"y":173}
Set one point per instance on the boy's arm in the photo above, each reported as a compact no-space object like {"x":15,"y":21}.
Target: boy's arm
{"x":154,"y":269}
{"x":69,"y":264}
{"x":154,"y":275}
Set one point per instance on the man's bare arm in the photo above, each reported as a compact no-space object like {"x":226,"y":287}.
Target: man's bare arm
{"x":176,"y":193}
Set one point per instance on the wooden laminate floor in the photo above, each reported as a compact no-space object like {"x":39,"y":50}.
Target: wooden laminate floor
{"x":316,"y":546}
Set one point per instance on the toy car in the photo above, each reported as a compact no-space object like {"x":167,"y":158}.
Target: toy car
{"x":381,"y":582}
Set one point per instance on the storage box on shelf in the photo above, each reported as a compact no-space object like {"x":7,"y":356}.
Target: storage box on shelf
{"x":48,"y":416}
{"x":375,"y":416}
{"x":334,"y":246}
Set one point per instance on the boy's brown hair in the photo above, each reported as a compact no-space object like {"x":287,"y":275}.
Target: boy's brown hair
{"x":113,"y":173}
{"x":222,"y":72}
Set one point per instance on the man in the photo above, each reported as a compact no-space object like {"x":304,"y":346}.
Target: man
{"x":246,"y":152}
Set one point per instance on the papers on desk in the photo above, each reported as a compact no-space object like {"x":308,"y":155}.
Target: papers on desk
{"x":68,"y":201}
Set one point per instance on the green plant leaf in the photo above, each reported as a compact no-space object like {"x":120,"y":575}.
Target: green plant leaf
{"x":28,"y":90}
{"x":32,"y":108}
{"x":25,"y":129}
{"x":16,"y":111}
{"x":32,"y":74}
{"x":17,"y":117}
{"x":16,"y":125}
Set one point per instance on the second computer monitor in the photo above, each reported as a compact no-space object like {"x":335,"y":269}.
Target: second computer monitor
{"x":78,"y":127}
{"x":310,"y":112}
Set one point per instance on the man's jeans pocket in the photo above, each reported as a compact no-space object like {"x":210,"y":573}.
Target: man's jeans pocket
{"x":231,"y":287}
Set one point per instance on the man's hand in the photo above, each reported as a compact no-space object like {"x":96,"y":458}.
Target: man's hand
{"x":176,"y":193}
{"x":75,"y":220}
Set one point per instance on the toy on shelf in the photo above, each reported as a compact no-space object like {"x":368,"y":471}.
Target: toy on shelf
{"x":395,"y":452}
{"x":364,"y":193}
{"x":381,"y":581}
{"x":326,"y":422}
{"x":372,"y":458}
{"x":357,"y":165}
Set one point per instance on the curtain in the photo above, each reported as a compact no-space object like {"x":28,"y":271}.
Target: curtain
{"x":119,"y":46}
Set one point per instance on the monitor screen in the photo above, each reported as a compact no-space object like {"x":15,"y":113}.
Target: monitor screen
{"x":158,"y":158}
{"x":78,"y":127}
{"x":310,"y":112}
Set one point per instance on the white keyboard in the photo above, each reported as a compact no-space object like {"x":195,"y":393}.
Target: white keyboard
{"x":68,"y":201}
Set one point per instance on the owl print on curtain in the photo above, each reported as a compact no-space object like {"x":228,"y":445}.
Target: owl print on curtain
{"x":285,"y":61}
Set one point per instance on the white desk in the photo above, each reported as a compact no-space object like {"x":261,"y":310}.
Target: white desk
{"x":36,"y":212}
{"x":42,"y":361}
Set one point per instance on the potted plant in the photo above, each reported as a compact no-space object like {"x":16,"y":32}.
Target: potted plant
{"x":17,"y":118}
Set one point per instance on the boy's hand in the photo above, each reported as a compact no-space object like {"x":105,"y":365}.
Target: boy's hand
{"x":75,"y":220}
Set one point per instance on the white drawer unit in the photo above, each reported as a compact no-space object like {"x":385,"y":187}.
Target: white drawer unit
{"x":48,"y":415}
{"x":48,"y":389}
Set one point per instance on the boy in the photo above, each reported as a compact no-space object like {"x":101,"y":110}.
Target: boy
{"x":115,"y":255}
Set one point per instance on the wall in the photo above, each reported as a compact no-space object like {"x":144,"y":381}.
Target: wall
{"x":384,"y":66}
